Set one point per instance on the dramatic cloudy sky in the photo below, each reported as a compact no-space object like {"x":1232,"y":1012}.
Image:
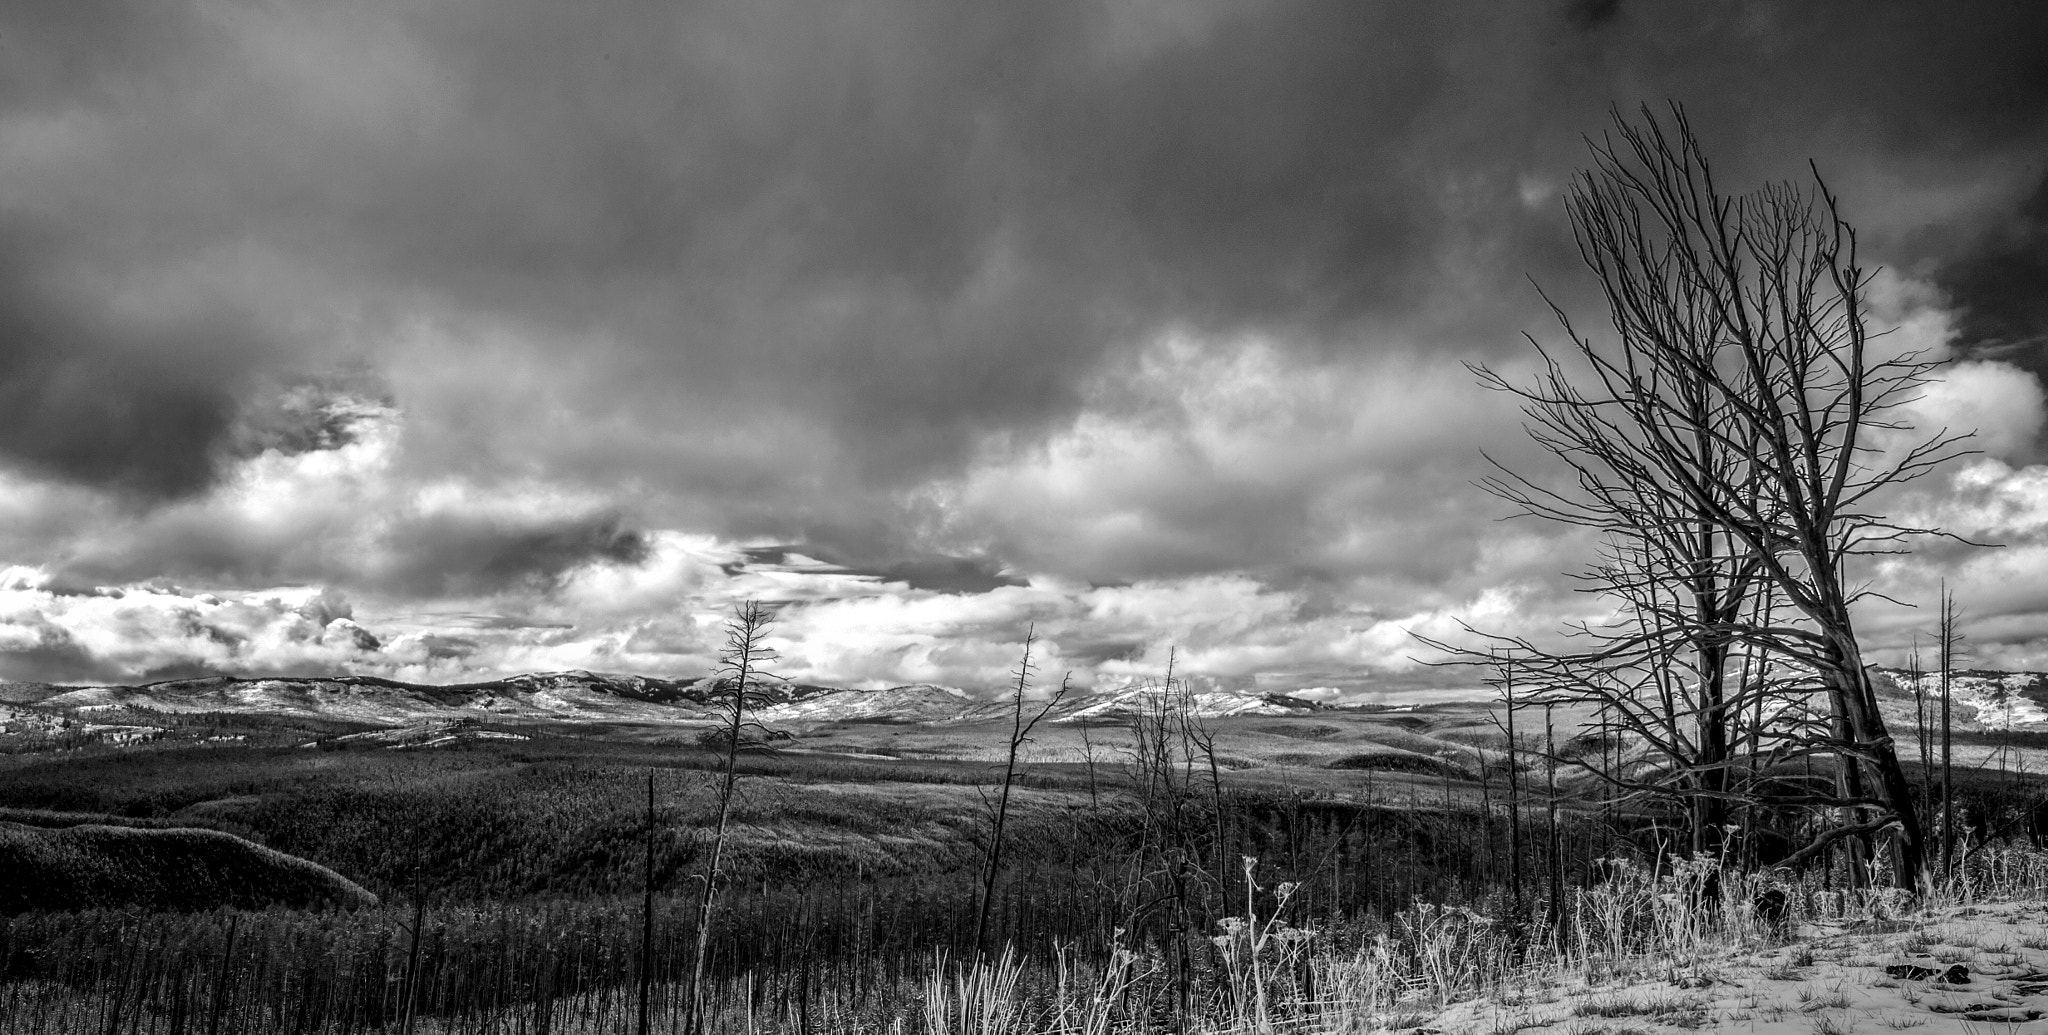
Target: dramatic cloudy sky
{"x":439,"y":340}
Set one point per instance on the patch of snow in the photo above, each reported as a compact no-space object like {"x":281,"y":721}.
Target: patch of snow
{"x":1207,"y":704}
{"x":923,"y":702}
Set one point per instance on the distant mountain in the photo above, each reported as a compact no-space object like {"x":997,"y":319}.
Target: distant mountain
{"x":387,"y":702}
{"x":1208,"y":704}
{"x":925,"y":702}
{"x":917,"y":702}
{"x":1982,"y":698}
{"x":581,"y":696}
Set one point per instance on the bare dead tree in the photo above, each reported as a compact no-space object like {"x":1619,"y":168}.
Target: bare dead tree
{"x":1202,"y":739}
{"x":1088,"y":758}
{"x":1020,"y":735}
{"x":1923,"y":731}
{"x":647,"y":914}
{"x":415,"y":932}
{"x":1170,"y":875}
{"x":737,"y":690}
{"x":1737,"y":431}
{"x":1553,"y":850}
{"x":1507,"y":684}
{"x":1949,"y":644}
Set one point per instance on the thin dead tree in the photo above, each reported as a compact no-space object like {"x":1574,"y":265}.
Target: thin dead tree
{"x":1507,"y":685}
{"x":736,"y":692}
{"x":647,"y":915}
{"x":1948,"y":644}
{"x":1553,"y":849}
{"x":1923,"y":731}
{"x":1088,"y":758}
{"x":1169,"y":875}
{"x":1202,"y":739}
{"x":415,"y":933}
{"x":1020,"y":735}
{"x":1740,"y":400}
{"x":1487,"y":866}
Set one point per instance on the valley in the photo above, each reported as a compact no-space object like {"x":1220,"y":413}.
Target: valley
{"x":2000,"y":719}
{"x":547,"y":823}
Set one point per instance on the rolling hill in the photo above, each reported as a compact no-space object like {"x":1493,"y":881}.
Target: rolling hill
{"x":52,"y":865}
{"x":575,"y":696}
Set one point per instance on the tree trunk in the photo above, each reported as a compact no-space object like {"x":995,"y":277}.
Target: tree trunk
{"x":1713,"y":751}
{"x":1863,"y":724}
{"x":1514,"y":802}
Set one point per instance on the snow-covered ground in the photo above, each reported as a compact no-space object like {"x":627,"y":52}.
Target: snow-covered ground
{"x":1863,"y":977}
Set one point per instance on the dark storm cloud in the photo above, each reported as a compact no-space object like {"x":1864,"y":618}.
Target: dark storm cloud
{"x":386,"y":544}
{"x":774,"y":261}
{"x":2001,"y":289}
{"x":57,"y":658}
{"x":1592,"y":13}
{"x":949,"y":574}
{"x":307,"y":414}
{"x":464,"y":555}
{"x":1097,"y":651}
{"x":936,"y":572}
{"x":135,"y":401}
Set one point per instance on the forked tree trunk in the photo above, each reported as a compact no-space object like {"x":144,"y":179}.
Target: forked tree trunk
{"x":1877,"y":772}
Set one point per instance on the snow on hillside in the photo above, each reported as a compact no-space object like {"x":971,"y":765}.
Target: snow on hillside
{"x":1983,"y":699}
{"x":917,"y":702}
{"x":1207,"y":704}
{"x":589,"y":696}
{"x":560,"y":695}
{"x":1988,"y":699}
{"x":429,"y":734}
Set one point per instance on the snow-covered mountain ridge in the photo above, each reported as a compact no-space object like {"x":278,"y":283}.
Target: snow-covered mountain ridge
{"x":589,"y":696}
{"x":1982,"y":699}
{"x":571,"y":696}
{"x":1986,"y":699}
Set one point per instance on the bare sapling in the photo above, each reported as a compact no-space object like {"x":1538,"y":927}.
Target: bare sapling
{"x":741,"y":674}
{"x":1020,"y":735}
{"x":1923,"y":732}
{"x":415,"y":931}
{"x":1183,"y":872}
{"x":1203,"y":738}
{"x":1948,"y":645}
{"x":1169,"y":842}
{"x":1088,"y":759}
{"x":1507,"y":678}
{"x":1553,"y":847}
{"x":227,"y":956}
{"x":1486,"y":859}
